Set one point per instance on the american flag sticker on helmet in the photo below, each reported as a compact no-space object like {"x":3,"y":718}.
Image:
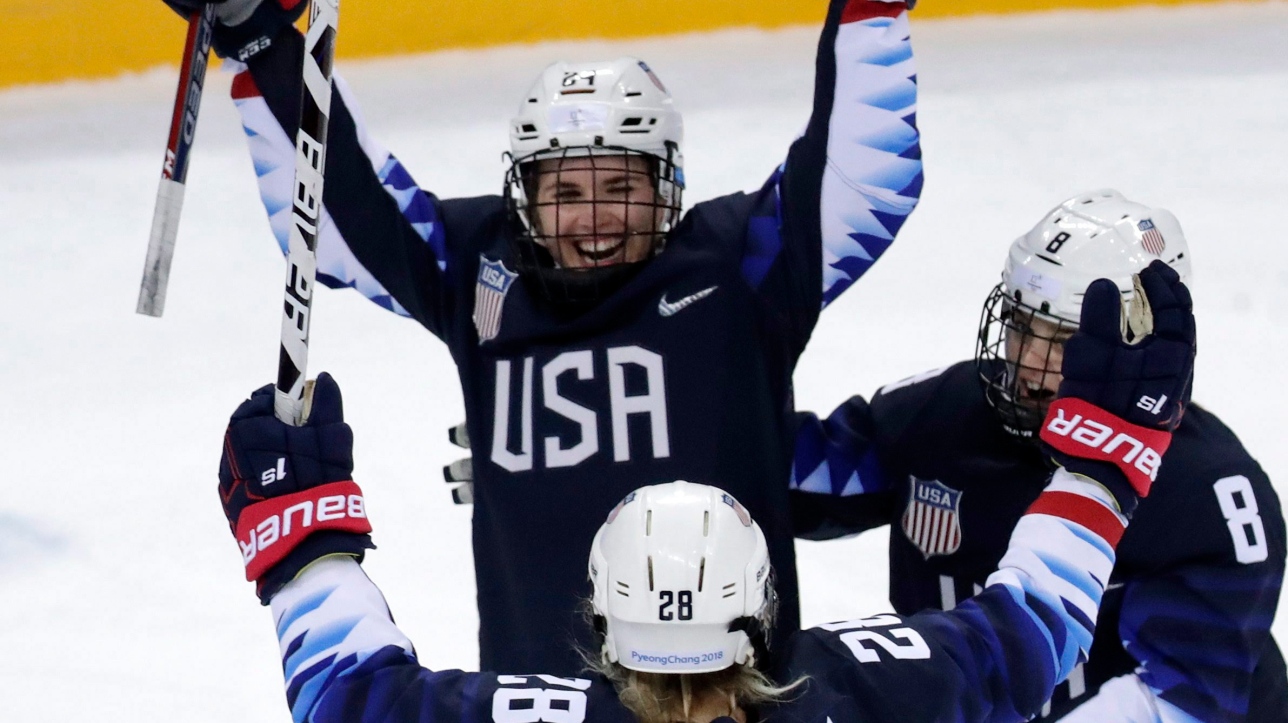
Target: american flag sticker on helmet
{"x":931,"y":520}
{"x":1150,"y":237}
{"x":489,"y":297}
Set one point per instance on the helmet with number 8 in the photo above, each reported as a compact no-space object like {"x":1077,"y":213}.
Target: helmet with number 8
{"x":682,"y":581}
{"x":1039,"y":301}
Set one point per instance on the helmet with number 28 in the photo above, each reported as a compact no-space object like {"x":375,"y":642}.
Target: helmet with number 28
{"x":595,"y":179}
{"x":1037,"y":306}
{"x":683,"y":599}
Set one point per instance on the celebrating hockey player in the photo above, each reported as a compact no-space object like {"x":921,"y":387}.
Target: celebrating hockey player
{"x":683,"y":595}
{"x":950,"y":459}
{"x":603,"y":340}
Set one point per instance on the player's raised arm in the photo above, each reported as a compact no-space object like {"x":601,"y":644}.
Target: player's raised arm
{"x":380,"y":233}
{"x":301,"y":524}
{"x":851,"y":180}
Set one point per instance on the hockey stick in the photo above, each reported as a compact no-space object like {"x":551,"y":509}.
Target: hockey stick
{"x":301,"y":257}
{"x":183,"y":124}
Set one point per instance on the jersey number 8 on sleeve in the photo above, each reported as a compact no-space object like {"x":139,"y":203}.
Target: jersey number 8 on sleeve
{"x":1240,"y":509}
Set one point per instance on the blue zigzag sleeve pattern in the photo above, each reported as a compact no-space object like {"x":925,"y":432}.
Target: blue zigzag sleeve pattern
{"x":345,"y":660}
{"x":835,"y":456}
{"x":855,"y":174}
{"x":1198,"y":634}
{"x":873,"y":177}
{"x":273,"y":157}
{"x":1036,"y":616}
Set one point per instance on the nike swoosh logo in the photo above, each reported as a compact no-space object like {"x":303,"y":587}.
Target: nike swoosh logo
{"x":1113,"y":586}
{"x":671,"y":308}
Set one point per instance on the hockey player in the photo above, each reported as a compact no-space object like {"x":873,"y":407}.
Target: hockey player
{"x":603,"y":341}
{"x":683,"y":598}
{"x":950,"y":460}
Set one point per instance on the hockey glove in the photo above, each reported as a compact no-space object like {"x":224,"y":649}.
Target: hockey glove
{"x":1126,"y":381}
{"x":460,"y":472}
{"x":245,"y":27}
{"x":288,"y":492}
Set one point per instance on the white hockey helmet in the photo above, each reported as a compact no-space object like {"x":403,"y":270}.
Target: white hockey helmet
{"x":682,"y":581}
{"x":1097,"y":235}
{"x":598,"y":107}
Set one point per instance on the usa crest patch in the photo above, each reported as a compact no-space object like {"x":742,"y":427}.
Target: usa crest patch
{"x":1151,"y":238}
{"x":932,"y":521}
{"x":489,"y":297}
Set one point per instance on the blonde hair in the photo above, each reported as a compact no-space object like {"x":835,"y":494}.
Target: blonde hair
{"x":669,"y":697}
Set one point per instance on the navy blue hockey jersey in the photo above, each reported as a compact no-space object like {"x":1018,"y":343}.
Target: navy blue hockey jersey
{"x":994,"y":658}
{"x":567,"y":415}
{"x":1199,"y":571}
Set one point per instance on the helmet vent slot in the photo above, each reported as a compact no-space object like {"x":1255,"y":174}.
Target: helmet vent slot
{"x":623,"y":589}
{"x":702,"y":573}
{"x":529,"y":128}
{"x":633,"y":94}
{"x":648,"y":525}
{"x":730,"y":590}
{"x":650,"y":573}
{"x":706,"y":525}
{"x":577,"y":91}
{"x":632,"y":121}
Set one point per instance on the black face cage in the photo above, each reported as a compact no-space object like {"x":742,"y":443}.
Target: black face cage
{"x":1005,"y":337}
{"x":648,"y":222}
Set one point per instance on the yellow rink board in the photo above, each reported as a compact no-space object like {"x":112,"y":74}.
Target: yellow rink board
{"x":50,"y":40}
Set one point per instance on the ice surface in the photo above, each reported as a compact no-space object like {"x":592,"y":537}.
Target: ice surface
{"x":120,"y":587}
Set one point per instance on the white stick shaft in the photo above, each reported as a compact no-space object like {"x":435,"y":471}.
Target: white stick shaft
{"x":306,"y":216}
{"x":174,"y":172}
{"x":165,"y":228}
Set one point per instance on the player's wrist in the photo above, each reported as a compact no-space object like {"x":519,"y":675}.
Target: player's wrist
{"x":322,"y":546}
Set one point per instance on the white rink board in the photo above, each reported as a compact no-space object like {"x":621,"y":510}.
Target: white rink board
{"x":119,"y":583}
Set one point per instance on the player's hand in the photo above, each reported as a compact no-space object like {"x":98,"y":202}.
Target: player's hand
{"x":288,"y":492}
{"x":460,"y":472}
{"x":1127,"y":377}
{"x":244,"y":27}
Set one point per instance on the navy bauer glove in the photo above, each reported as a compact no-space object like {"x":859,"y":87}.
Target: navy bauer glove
{"x":1126,"y":381}
{"x":288,"y":492}
{"x":244,"y":27}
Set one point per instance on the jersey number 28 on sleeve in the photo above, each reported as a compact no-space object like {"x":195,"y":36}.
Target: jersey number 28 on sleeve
{"x":912,"y":647}
{"x":563,"y":702}
{"x":1240,"y":509}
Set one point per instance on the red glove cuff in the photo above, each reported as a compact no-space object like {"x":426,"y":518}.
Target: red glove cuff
{"x":1081,"y":429}
{"x":267,"y":531}
{"x":1082,"y":510}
